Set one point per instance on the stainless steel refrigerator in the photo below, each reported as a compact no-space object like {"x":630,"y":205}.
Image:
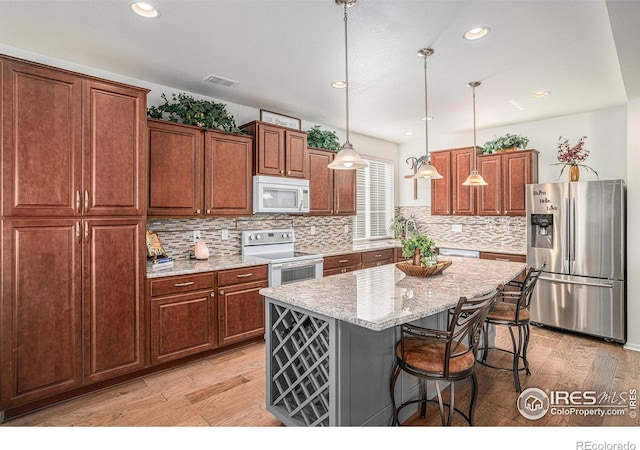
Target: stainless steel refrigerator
{"x":578,"y":231}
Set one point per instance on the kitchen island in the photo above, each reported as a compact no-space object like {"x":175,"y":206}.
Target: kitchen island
{"x":330,"y":341}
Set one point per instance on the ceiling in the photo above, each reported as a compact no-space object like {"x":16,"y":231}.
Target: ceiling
{"x":285,"y":54}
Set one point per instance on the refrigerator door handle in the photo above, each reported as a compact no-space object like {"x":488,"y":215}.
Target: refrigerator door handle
{"x":565,"y":262}
{"x":581,"y":283}
{"x":572,"y":219}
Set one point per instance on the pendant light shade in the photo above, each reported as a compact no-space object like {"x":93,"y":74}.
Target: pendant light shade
{"x":474,"y":178}
{"x":426,"y":170}
{"x":347,"y":158}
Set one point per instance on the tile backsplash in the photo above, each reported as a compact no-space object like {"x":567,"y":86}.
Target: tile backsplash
{"x":177,"y":234}
{"x":477,"y":230}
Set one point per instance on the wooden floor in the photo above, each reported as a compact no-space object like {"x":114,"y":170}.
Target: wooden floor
{"x":229,"y":390}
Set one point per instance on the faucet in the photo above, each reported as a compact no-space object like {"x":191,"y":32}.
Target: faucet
{"x":406,"y":227}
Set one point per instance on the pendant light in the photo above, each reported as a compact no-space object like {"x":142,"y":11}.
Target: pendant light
{"x":347,"y":158}
{"x":474,"y":178}
{"x":426,"y":170}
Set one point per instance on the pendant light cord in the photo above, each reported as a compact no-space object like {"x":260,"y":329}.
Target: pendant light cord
{"x":475,"y":168}
{"x":426,"y":113}
{"x":346,"y":68}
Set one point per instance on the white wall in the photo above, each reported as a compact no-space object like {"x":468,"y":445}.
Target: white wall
{"x":606,"y":132}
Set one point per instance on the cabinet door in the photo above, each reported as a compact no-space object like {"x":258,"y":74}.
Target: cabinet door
{"x":517,"y":172}
{"x":270,"y":150}
{"x":113,"y":297}
{"x":41,"y":340}
{"x":42,"y":141}
{"x":114,"y":149}
{"x":490,"y":196}
{"x":240,"y":312}
{"x":228,"y":179}
{"x":320,"y":182}
{"x":182,"y":325}
{"x":296,"y":156}
{"x":175,"y":169}
{"x":441,"y":188}
{"x":463,"y":197}
{"x":344,"y":192}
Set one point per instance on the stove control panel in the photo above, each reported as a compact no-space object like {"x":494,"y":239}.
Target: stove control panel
{"x":266,"y":237}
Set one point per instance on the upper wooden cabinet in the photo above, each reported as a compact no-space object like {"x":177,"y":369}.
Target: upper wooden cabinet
{"x":193,"y":172}
{"x":279,"y":151}
{"x":448,"y":195}
{"x":72,"y":145}
{"x":331,"y":191}
{"x":507,"y":175}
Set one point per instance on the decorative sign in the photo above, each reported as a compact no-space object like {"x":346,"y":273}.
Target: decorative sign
{"x":279,"y":119}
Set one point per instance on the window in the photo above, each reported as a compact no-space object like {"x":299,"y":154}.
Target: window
{"x":375,"y":200}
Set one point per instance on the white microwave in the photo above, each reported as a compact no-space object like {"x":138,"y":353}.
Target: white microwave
{"x":280,"y":195}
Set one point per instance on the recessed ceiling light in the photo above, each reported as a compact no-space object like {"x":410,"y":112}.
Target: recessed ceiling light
{"x":339,"y":84}
{"x":541,"y":94}
{"x":426,"y":118}
{"x":144,"y":9}
{"x":476,"y":33}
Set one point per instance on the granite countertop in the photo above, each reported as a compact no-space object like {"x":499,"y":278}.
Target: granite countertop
{"x":383,"y":297}
{"x":212,"y":264}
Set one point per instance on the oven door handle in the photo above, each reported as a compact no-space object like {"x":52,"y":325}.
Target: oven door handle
{"x":306,"y":262}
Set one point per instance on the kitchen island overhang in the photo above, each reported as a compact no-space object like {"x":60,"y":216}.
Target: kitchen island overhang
{"x":330,"y":341}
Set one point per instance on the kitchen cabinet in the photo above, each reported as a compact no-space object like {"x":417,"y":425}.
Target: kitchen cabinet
{"x":397,"y":255}
{"x":448,"y":195}
{"x":377,"y":257}
{"x":332,"y":192}
{"x":240,"y":304}
{"x":73,"y":231}
{"x":72,"y":145}
{"x":506,"y":257}
{"x":334,"y":265}
{"x":193,"y":172}
{"x":279,"y":151}
{"x":507,"y":175}
{"x":183,"y":316}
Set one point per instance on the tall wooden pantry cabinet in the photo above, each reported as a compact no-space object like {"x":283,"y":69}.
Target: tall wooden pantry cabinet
{"x":73,"y":155}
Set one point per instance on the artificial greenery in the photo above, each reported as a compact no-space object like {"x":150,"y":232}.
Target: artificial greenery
{"x":504,"y":142}
{"x":401,"y":225}
{"x":323,"y":139}
{"x":424,"y":243}
{"x":202,"y":113}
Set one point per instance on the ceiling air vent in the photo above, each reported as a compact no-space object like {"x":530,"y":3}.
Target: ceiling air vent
{"x":215,"y":79}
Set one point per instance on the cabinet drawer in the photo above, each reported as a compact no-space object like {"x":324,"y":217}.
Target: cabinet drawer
{"x":385,"y":256}
{"x":243,"y":275}
{"x":339,"y":270}
{"x":334,"y":262}
{"x":182,"y":283}
{"x":503,"y":257}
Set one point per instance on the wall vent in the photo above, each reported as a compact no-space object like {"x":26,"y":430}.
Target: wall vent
{"x":215,"y":79}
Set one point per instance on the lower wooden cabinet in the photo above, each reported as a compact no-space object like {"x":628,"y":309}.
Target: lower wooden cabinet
{"x":506,"y":257}
{"x":183,"y":316}
{"x":377,"y":257}
{"x":240,"y":304}
{"x":334,"y":265}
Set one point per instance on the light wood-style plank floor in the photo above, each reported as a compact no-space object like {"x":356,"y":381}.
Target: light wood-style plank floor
{"x":229,"y":390}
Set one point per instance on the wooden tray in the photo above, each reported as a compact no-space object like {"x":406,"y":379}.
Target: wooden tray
{"x":419,"y":271}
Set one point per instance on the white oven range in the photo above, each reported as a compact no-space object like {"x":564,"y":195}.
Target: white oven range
{"x":285,"y":264}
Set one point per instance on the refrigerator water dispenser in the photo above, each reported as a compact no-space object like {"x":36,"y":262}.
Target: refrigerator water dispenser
{"x":542,"y":227}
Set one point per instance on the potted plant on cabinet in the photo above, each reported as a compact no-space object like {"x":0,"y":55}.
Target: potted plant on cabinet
{"x":325,"y":139}
{"x":506,"y":143}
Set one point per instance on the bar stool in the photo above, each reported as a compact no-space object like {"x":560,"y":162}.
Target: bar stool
{"x":511,"y":309}
{"x":443,"y":355}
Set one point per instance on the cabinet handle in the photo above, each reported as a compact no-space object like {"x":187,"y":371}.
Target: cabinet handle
{"x":208,"y":211}
{"x":343,"y":271}
{"x":78,"y":232}
{"x":289,"y":173}
{"x":377,"y":256}
{"x":213,"y":294}
{"x":342,"y":261}
{"x":78,"y":201}
{"x":187,"y":283}
{"x":503,"y":259}
{"x":197,"y":211}
{"x":86,"y":232}
{"x":222,"y":292}
{"x":282,"y":171}
{"x":244,"y":275}
{"x":86,"y":200}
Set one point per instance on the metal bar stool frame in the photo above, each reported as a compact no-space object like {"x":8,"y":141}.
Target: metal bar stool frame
{"x":465,"y":324}
{"x":518,"y":294}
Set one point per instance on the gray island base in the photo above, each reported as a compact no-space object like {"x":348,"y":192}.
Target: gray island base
{"x":330,"y":341}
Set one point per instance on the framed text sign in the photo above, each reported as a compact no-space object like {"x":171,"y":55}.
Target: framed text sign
{"x":279,"y":119}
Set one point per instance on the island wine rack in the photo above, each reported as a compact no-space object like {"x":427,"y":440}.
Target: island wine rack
{"x":298,"y":358}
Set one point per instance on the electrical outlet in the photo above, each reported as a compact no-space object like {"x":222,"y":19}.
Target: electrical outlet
{"x":346,"y":228}
{"x":224,"y":234}
{"x":456,"y":228}
{"x":312,"y":230}
{"x":196,"y":235}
